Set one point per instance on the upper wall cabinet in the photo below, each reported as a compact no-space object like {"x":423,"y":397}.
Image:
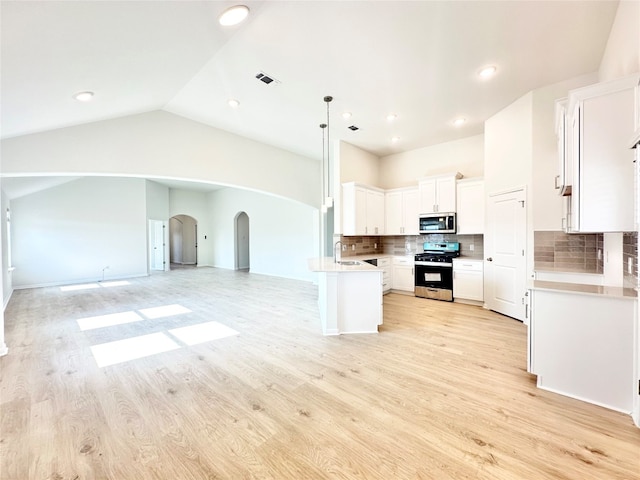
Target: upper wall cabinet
{"x":564,"y":179}
{"x":362,"y":210}
{"x":402,"y":211}
{"x":438,"y":194}
{"x":602,"y":121}
{"x":470,"y":203}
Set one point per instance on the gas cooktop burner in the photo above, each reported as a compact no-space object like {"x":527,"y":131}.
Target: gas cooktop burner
{"x":435,"y":257}
{"x":438,"y":252}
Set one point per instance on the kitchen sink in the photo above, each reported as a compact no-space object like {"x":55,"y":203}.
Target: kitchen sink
{"x":348,"y":262}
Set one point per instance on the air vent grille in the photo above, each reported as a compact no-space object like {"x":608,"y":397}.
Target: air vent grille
{"x":267,"y":79}
{"x":353,"y":128}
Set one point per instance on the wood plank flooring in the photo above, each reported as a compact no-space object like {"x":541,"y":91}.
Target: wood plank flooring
{"x":441,"y":392}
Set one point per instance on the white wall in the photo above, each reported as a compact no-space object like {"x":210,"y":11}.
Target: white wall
{"x":7,"y":280}
{"x":283,"y":234}
{"x":195,"y":205}
{"x":69,"y":233}
{"x":357,"y":165}
{"x":622,"y":54}
{"x":161,"y":144}
{"x":508,"y":146}
{"x":404,"y":169}
{"x":157,"y":197}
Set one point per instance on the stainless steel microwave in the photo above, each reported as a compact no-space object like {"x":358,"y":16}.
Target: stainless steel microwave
{"x":437,"y":223}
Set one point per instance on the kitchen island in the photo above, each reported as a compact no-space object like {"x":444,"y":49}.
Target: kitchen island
{"x":581,"y":341}
{"x":349,"y":295}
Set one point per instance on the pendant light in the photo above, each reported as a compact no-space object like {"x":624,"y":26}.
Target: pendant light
{"x":323,"y":126}
{"x":328,"y":199}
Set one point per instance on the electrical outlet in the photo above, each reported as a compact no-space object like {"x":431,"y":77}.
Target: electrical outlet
{"x":344,"y":248}
{"x":375,"y":246}
{"x":471,"y":247}
{"x":353,"y":247}
{"x":599,"y":254}
{"x":630,"y":265}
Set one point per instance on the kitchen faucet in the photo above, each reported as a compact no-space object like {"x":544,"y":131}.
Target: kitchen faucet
{"x":335,"y":251}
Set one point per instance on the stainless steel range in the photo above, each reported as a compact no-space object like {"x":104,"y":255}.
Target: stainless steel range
{"x":434,"y":270}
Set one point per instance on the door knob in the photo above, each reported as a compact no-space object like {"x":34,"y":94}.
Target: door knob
{"x":489,"y":259}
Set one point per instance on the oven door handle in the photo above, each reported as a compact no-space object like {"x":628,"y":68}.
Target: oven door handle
{"x":435,"y":264}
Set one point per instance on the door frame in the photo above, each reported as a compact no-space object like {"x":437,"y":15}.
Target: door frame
{"x":237,"y":240}
{"x":165,"y":244}
{"x":488,"y":266}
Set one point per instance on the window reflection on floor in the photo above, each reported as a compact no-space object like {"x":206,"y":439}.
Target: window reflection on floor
{"x":116,"y":283}
{"x":84,"y":286}
{"x":165,"y":311}
{"x":131,"y":348}
{"x":203,"y":332}
{"x":101,"y":321}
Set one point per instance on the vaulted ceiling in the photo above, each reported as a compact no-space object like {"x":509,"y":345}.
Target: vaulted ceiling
{"x":416,"y":59}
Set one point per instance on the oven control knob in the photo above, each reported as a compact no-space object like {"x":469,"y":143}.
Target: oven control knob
{"x":489,"y":259}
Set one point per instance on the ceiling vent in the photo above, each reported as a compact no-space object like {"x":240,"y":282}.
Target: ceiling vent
{"x":264,"y":78}
{"x":353,"y":128}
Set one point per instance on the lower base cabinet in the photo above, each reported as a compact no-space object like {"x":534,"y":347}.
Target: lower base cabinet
{"x":581,"y":345}
{"x":402,"y":276}
{"x":468,"y":282}
{"x":385,"y":264}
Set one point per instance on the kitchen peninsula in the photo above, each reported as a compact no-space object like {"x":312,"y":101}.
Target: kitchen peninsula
{"x":349,"y":295}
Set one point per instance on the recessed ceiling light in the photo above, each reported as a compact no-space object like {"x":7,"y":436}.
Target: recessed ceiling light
{"x":395,"y":139}
{"x":391,"y":117}
{"x":233,"y":15}
{"x":488,"y":71}
{"x":83,"y":96}
{"x":346,"y":115}
{"x":458,"y":122}
{"x":233,"y":103}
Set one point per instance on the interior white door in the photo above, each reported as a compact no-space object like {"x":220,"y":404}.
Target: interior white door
{"x":157,"y":245}
{"x":505,"y":260}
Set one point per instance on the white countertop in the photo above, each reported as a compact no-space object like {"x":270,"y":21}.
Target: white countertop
{"x":326,"y":264}
{"x":579,"y":288}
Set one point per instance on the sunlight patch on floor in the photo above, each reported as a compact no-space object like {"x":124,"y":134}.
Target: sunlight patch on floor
{"x":101,"y":321}
{"x":115,"y":283}
{"x":165,"y":311}
{"x":120,"y":351}
{"x":84,"y":286}
{"x":203,"y":332}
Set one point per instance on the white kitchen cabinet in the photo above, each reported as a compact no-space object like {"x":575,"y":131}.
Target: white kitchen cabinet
{"x":564,"y":179}
{"x":470,"y":204}
{"x":581,"y":342}
{"x":468,"y":279}
{"x":402,"y":211}
{"x":438,"y":194}
{"x":362,"y":210}
{"x":602,"y":122}
{"x":385,"y":264}
{"x":402,"y":277}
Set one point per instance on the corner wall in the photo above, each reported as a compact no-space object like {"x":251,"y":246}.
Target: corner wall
{"x":164,"y":145}
{"x":404,"y":169}
{"x":283,"y":234}
{"x":69,"y":233}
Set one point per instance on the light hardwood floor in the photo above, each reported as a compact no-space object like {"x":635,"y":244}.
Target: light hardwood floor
{"x":441,"y":392}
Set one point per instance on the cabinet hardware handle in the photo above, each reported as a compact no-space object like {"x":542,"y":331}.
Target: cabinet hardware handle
{"x":556,"y":182}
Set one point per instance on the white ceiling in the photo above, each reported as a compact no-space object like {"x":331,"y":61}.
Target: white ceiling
{"x":417,"y":59}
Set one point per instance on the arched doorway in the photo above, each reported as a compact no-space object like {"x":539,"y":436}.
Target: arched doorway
{"x":183,"y":240}
{"x":241,"y":231}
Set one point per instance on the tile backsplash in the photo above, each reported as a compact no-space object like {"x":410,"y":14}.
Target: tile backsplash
{"x":569,"y":252}
{"x":410,"y":244}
